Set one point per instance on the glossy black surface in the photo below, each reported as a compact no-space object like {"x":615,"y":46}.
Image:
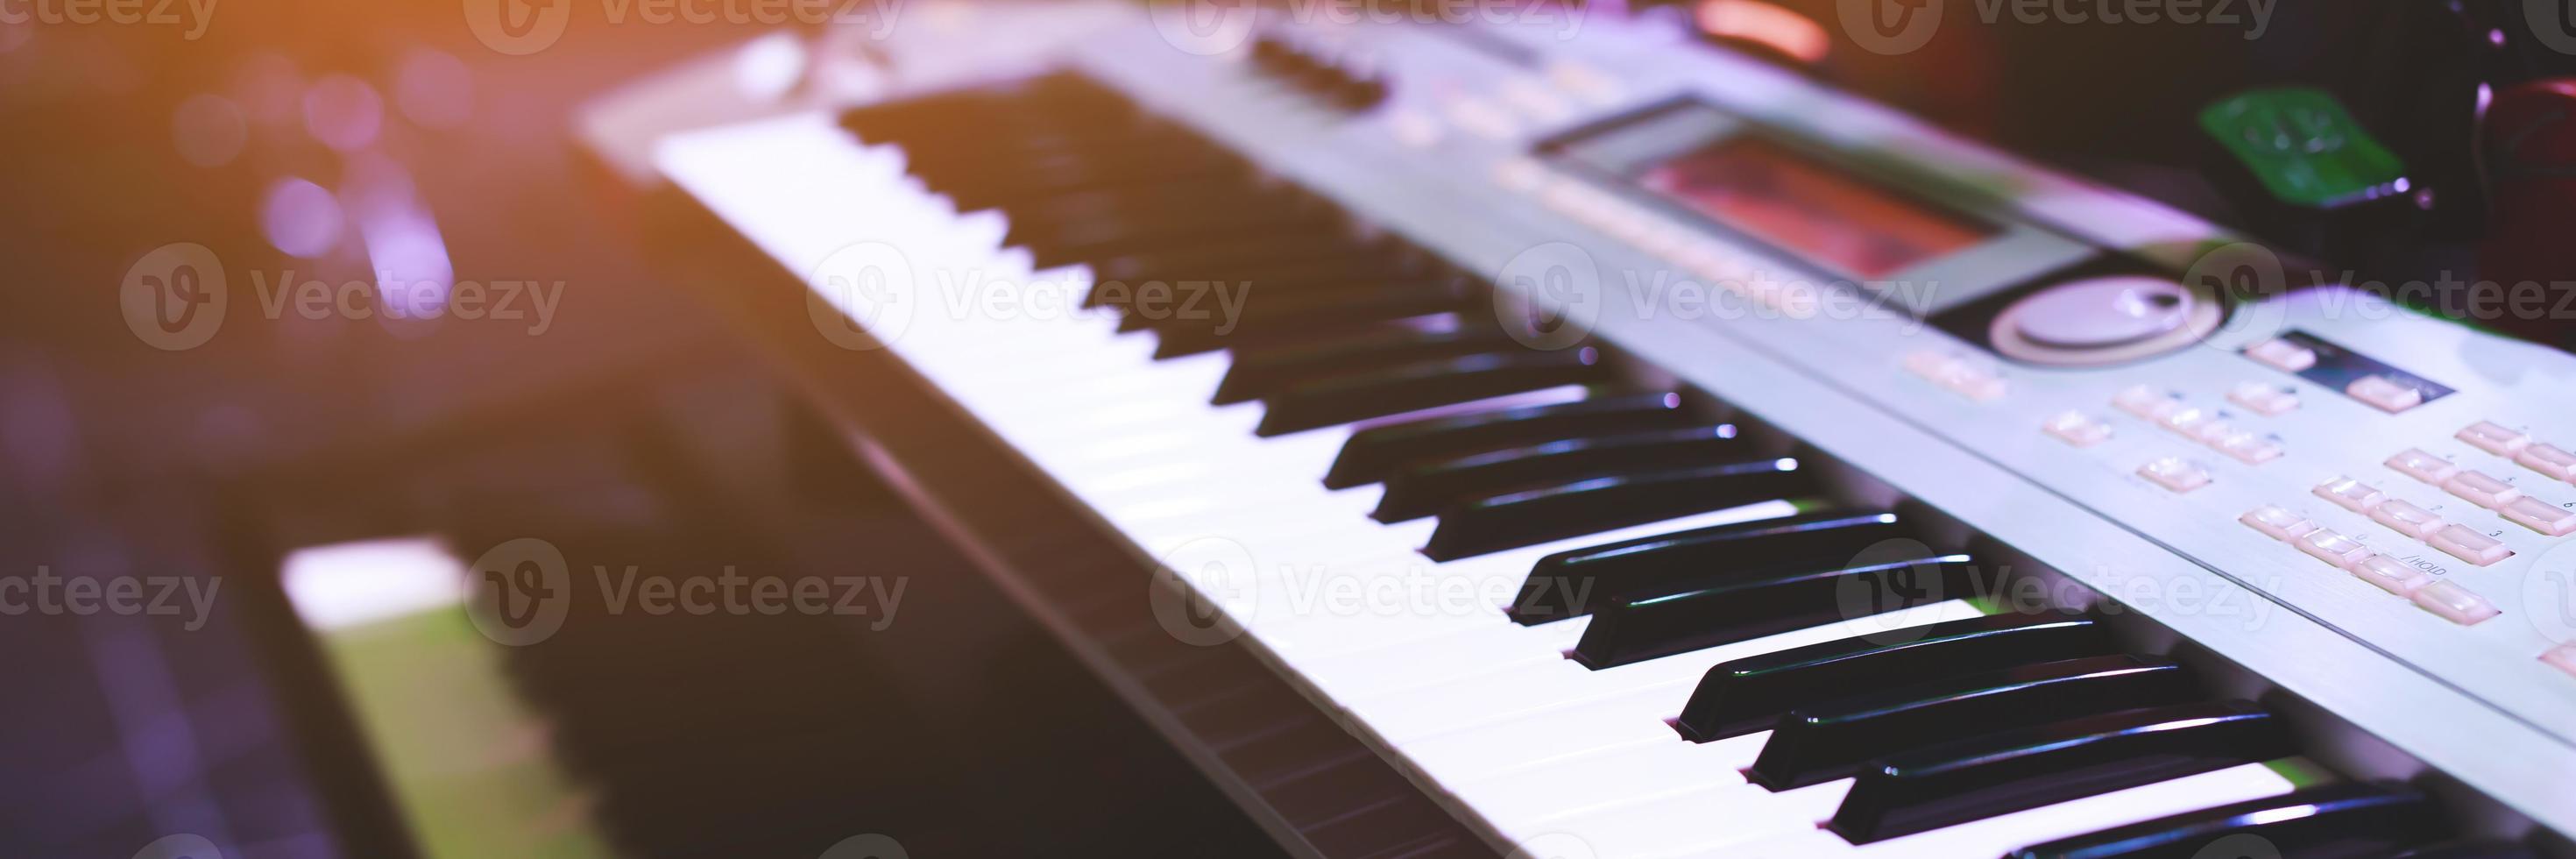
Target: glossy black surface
{"x":2013,"y":771}
{"x":1747,"y":695}
{"x":2354,"y":820}
{"x":1830,"y":740}
{"x":1411,"y":387}
{"x":1373,"y":453}
{"x":2470,"y":849}
{"x":1637,"y":629}
{"x":1568,"y":584}
{"x":1260,"y":373}
{"x":1530,"y":517}
{"x":1420,"y":490}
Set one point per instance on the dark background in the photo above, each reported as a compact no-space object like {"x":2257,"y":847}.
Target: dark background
{"x":637,"y":423}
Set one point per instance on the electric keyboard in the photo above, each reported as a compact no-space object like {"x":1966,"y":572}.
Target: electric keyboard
{"x":1645,"y":452}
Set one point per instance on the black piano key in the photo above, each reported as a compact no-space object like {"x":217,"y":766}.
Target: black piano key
{"x":1108,"y":239}
{"x":1424,"y":488}
{"x":1749,"y":694}
{"x":2018,"y":770}
{"x":2469,"y":849}
{"x":1636,"y":629}
{"x":1567,"y":584}
{"x":1276,"y":319}
{"x":1374,"y":452}
{"x":1832,"y":740}
{"x":1594,"y":505}
{"x":1221,"y":259}
{"x":1261,"y":373}
{"x":2354,"y":820}
{"x":1289,"y":294}
{"x":1412,"y":387}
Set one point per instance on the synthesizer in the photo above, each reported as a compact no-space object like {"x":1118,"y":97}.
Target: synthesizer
{"x":1638,"y":450}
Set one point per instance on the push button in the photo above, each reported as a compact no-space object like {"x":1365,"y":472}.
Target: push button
{"x":2562,"y":657}
{"x":2350,"y":494}
{"x":2282,"y":355}
{"x":2482,"y":489}
{"x":2077,"y":429}
{"x":2406,"y":518}
{"x":2388,"y":394}
{"x":2541,"y":516}
{"x":2392,"y":575}
{"x":2277,"y":522}
{"x":1969,"y":380}
{"x":2457,"y":604}
{"x":2263,"y":399}
{"x":2337,"y":549}
{"x":2549,"y":460}
{"x":2494,"y":438}
{"x":2423,"y":466}
{"x":2175,"y":473}
{"x":2146,"y":402}
{"x":2465,"y":543}
{"x":2249,"y":448}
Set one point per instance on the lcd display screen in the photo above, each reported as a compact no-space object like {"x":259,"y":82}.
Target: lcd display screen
{"x":1766,"y":191}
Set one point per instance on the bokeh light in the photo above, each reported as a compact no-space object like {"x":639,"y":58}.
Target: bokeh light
{"x":209,"y":129}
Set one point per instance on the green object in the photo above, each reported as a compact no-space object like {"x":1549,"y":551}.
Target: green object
{"x":2304,"y":147}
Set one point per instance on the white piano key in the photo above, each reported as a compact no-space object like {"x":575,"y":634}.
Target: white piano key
{"x":1998,"y":835}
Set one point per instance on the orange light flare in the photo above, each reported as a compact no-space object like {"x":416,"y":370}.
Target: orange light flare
{"x":1778,"y":28}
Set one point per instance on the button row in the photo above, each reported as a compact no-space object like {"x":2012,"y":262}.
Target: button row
{"x":2446,"y":599}
{"x":2488,"y":491}
{"x":2282,"y":355}
{"x":2459,"y":541}
{"x":2518,"y":446}
{"x":2262,"y":399}
{"x":1948,"y":371}
{"x":2200,"y":425}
